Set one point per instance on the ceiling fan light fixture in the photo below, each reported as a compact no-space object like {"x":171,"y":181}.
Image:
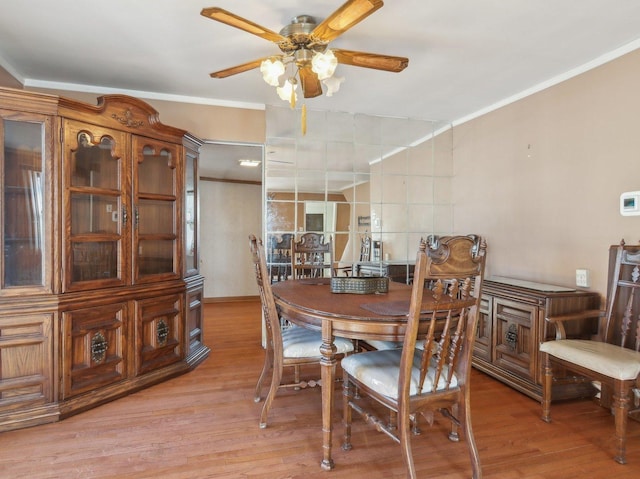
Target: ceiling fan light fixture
{"x":333,"y":84}
{"x":287,"y":92}
{"x":324,"y":64}
{"x":272,"y":69}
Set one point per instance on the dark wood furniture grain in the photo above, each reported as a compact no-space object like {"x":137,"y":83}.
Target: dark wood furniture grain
{"x":613,"y":358}
{"x":434,"y":376}
{"x":100,"y":294}
{"x":512,"y":325}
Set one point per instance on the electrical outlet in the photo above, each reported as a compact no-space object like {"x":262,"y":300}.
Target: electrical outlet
{"x":582,"y":278}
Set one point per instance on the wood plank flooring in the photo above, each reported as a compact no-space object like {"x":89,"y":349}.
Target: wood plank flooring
{"x":205,"y":425}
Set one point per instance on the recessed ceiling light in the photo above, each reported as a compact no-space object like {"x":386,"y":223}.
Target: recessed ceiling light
{"x":249,"y":163}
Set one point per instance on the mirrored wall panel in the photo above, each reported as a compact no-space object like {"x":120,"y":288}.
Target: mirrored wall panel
{"x":372,"y":185}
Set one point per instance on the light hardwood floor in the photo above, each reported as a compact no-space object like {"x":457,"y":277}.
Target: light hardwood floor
{"x":205,"y":425}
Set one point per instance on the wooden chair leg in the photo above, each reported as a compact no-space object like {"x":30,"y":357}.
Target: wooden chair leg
{"x":276,"y":379}
{"x":547,"y":380}
{"x":296,"y":377}
{"x":621,"y":411}
{"x":404,"y":434}
{"x":268,"y":364}
{"x":467,"y":430}
{"x":347,"y":395}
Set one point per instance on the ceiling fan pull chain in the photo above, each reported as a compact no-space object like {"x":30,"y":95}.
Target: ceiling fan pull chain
{"x":303,"y":119}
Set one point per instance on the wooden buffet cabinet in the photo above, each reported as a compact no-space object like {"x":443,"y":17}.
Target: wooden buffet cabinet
{"x":100,"y":293}
{"x":512,"y":325}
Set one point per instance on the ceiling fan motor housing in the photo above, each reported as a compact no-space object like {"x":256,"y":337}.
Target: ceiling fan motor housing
{"x":299,"y":34}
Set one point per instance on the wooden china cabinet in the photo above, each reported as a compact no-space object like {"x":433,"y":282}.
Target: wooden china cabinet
{"x":100,"y":292}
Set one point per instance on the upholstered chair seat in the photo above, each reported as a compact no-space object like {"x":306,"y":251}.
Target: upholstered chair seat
{"x":298,"y":342}
{"x":608,"y":359}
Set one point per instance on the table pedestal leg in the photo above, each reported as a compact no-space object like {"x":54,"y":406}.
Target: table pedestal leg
{"x":327,"y":370}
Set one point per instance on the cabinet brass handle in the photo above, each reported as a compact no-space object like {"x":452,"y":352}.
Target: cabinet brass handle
{"x":99,"y":346}
{"x":162,"y":332}
{"x":511,"y":336}
{"x":125,"y":217}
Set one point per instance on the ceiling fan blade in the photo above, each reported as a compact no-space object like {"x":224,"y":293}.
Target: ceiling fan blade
{"x":310,"y":84}
{"x":345,"y":17}
{"x":371,"y":60}
{"x":234,"y":20}
{"x":238,"y":68}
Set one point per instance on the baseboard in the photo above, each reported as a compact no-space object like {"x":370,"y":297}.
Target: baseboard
{"x":231,"y":299}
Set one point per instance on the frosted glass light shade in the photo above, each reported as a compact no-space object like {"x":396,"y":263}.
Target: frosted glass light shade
{"x":271,"y":71}
{"x":324,"y":64}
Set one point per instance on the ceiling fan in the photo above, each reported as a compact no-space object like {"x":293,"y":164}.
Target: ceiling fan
{"x":303,"y":44}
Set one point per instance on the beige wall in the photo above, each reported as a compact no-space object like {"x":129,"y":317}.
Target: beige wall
{"x":541,"y":178}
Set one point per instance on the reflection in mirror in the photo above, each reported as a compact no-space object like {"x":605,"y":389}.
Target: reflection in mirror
{"x":379,"y":179}
{"x":230,"y":199}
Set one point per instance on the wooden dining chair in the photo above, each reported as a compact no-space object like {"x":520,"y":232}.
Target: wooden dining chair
{"x":364,"y":256}
{"x":409,"y":381}
{"x":311,"y":257}
{"x":613,"y":358}
{"x":286,"y":346}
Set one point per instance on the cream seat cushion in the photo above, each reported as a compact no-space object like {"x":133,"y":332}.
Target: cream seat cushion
{"x":607,"y":359}
{"x":380,"y":344}
{"x":379,"y":370}
{"x":298,"y":342}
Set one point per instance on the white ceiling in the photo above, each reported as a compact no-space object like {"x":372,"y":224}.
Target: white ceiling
{"x":465,"y":56}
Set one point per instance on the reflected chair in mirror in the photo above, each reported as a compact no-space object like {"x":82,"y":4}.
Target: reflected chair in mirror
{"x":364,"y":256}
{"x":279,"y":259}
{"x":410,"y":381}
{"x":311,"y":257}
{"x":612,"y":359}
{"x":286,"y":346}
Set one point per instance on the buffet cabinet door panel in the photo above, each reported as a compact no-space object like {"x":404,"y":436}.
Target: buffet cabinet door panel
{"x":482,"y":346}
{"x":26,"y":368}
{"x":95,"y":353}
{"x":514,"y":336}
{"x":158,"y":332}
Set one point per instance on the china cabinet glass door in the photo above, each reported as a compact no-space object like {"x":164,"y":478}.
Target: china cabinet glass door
{"x":97,"y":209}
{"x":23,"y":190}
{"x":155,"y":209}
{"x":191,"y":213}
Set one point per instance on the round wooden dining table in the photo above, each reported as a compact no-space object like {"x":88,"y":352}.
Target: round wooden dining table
{"x":311,"y":304}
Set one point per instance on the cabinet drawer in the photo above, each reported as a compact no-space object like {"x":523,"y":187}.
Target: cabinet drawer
{"x":514,"y":338}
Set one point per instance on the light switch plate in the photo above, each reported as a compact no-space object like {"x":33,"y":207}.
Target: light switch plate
{"x":582,"y":278}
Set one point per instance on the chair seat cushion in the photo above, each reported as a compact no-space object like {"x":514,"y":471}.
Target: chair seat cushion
{"x":379,"y":370}
{"x":380,"y":344}
{"x":608,"y":359}
{"x":298,"y":342}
